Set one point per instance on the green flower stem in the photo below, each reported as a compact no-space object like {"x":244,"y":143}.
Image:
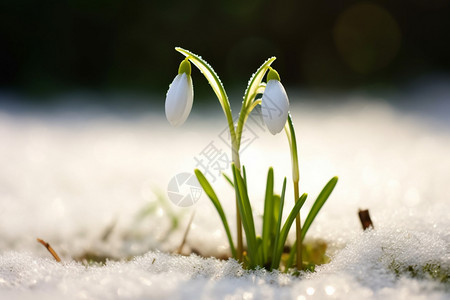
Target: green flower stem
{"x":253,"y":89}
{"x":237,"y":164}
{"x":290,"y":133}
{"x":298,"y":231}
{"x":219,"y":90}
{"x":261,"y":251}
{"x":240,"y":243}
{"x":254,"y":104}
{"x":241,"y":122}
{"x":249,"y":103}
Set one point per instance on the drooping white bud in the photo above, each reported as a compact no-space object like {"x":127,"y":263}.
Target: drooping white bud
{"x":179,"y":99}
{"x":274,"y":104}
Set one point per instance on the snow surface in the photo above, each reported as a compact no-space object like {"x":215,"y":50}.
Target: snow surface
{"x":81,"y":180}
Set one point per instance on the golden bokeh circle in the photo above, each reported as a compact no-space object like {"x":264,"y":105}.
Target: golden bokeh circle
{"x":367,"y":37}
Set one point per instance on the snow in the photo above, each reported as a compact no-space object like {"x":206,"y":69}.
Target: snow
{"x":82,"y":180}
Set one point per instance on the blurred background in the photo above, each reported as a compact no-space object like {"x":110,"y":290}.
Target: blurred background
{"x":97,"y":47}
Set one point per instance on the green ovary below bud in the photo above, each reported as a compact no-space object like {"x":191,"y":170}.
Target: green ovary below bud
{"x":273,"y":75}
{"x":185,"y":67}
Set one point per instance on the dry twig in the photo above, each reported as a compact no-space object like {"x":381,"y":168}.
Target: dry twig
{"x":50,"y":249}
{"x":180,"y":249}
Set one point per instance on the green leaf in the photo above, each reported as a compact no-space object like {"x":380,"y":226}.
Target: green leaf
{"x":212,"y":195}
{"x":244,"y":175}
{"x":253,"y":88}
{"x":290,"y":260}
{"x":320,"y":201}
{"x":278,"y":226}
{"x":275,"y":217}
{"x":228,"y":179}
{"x":255,"y":81}
{"x":284,"y":232}
{"x":259,"y":250}
{"x":247,"y":216}
{"x":268,"y":216}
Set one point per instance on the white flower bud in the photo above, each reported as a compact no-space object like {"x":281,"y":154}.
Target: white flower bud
{"x":274,"y":106}
{"x":179,"y":99}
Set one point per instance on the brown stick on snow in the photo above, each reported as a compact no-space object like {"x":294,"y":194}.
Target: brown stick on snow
{"x":50,"y":249}
{"x":364,"y":216}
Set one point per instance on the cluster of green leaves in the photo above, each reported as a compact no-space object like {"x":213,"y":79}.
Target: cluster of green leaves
{"x":264,"y":250}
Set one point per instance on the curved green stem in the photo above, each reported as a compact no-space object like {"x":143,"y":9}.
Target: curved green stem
{"x":218,"y":89}
{"x":290,"y":133}
{"x":254,"y":87}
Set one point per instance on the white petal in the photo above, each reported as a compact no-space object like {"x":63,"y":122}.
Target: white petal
{"x":179,"y":99}
{"x":275,"y":106}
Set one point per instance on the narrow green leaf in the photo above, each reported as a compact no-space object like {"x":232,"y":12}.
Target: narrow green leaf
{"x":284,"y":232}
{"x":320,"y":201}
{"x":247,"y":216}
{"x":255,"y":81}
{"x":276,"y":199}
{"x":268,"y":216}
{"x":275,"y":216}
{"x":290,"y":260}
{"x":254,"y":87}
{"x":278,"y":226}
{"x":212,"y":195}
{"x":228,"y":179}
{"x":245,"y":175}
{"x":302,"y":201}
{"x":259,"y":250}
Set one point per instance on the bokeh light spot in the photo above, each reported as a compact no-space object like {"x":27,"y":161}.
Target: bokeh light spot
{"x":367,"y":37}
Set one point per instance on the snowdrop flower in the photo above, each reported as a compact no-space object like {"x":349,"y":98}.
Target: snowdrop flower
{"x":180,"y":95}
{"x":274,"y":103}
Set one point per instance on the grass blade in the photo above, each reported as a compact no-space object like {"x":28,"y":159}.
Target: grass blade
{"x":268,"y":216}
{"x":255,"y":81}
{"x":320,"y":201}
{"x":228,"y":179}
{"x":278,"y":226}
{"x":254,"y":87}
{"x":212,"y":195}
{"x":284,"y":232}
{"x":290,"y":260}
{"x":247,"y":216}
